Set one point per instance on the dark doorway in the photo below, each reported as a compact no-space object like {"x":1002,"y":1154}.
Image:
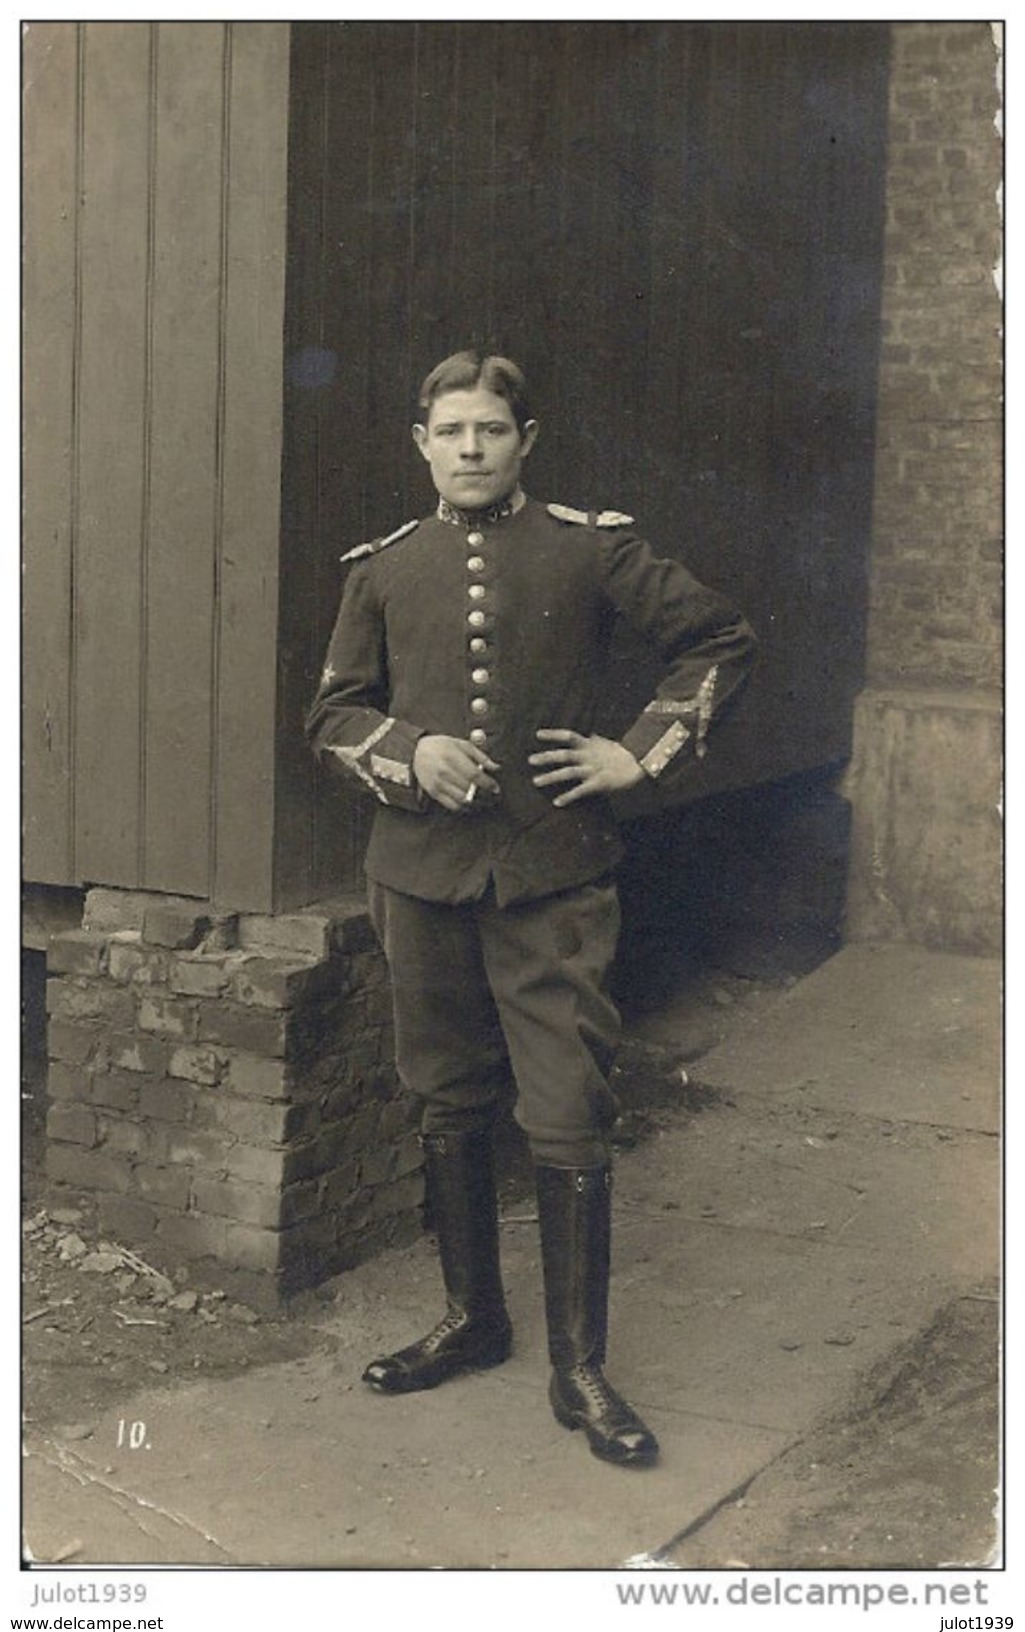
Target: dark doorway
{"x":676,"y":228}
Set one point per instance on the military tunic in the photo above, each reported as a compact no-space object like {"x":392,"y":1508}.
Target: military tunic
{"x":492,"y":630}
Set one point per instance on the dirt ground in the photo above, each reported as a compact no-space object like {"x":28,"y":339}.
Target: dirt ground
{"x":95,"y":1328}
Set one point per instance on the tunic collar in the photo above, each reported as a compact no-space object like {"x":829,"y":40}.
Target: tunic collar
{"x":474,"y":518}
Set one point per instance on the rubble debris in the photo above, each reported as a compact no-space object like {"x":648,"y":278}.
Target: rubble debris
{"x":47,"y":1309}
{"x":138,"y":1320}
{"x":100,"y":1263}
{"x":239,"y":1312}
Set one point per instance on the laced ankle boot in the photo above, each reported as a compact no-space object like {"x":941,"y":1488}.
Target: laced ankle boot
{"x":574,"y":1208}
{"x":474,"y":1332}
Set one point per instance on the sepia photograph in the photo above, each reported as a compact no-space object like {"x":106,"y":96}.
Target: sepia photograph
{"x":512,"y":753}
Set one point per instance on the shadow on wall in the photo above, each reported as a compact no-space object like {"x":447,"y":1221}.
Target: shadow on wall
{"x":752,"y":882}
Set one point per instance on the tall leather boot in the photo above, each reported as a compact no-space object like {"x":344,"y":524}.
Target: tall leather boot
{"x":574,"y":1208}
{"x":475,"y":1331}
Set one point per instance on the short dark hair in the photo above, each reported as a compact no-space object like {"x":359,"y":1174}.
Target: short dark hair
{"x":465,"y":370}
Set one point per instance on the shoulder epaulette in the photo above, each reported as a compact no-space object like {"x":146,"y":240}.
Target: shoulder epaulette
{"x":590,"y":518}
{"x":380,"y":543}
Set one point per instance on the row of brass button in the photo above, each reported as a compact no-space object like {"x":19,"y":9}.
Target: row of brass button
{"x":478,"y":645}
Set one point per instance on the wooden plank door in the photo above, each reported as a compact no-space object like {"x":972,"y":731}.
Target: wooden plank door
{"x":155,"y":172}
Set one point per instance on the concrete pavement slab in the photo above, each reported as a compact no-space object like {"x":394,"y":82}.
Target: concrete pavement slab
{"x":291,"y":1467}
{"x":76,"y":1510}
{"x":913,"y":1191}
{"x":763,"y":1330}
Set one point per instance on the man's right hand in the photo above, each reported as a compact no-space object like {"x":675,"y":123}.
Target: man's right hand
{"x":447,"y":768}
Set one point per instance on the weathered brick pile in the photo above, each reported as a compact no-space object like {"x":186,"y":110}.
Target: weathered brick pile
{"x":225,"y":1089}
{"x":938,"y":518}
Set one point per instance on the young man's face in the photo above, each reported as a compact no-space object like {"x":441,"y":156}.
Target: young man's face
{"x":474,"y":447}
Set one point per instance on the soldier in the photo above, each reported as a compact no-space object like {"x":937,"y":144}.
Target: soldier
{"x":461,"y":689}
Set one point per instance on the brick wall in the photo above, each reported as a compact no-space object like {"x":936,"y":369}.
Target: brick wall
{"x":925,"y":776}
{"x":935,"y":582}
{"x":224,"y":1089}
